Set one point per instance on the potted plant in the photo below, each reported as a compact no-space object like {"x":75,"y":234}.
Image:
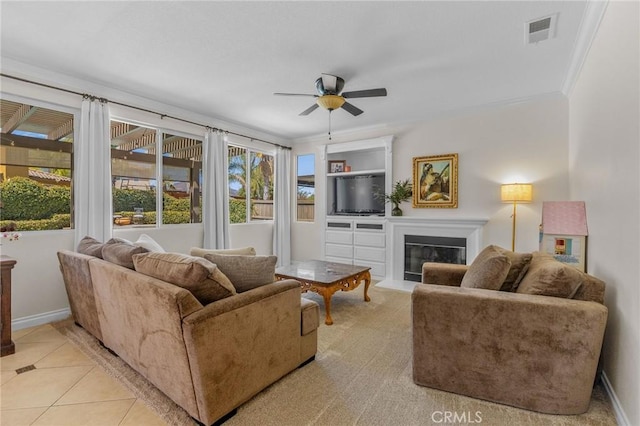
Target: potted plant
{"x":402,"y":191}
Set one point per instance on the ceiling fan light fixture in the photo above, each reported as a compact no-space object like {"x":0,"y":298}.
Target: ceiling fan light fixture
{"x":330,"y":102}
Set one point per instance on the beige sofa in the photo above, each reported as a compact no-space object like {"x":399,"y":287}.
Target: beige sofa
{"x":526,"y":350}
{"x":208,"y":359}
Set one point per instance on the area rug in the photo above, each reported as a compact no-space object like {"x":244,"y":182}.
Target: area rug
{"x":361,"y":376}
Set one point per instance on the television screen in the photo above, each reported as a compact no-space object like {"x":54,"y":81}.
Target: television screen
{"x":356,"y":194}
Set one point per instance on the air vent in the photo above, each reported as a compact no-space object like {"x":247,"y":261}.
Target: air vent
{"x":540,"y":29}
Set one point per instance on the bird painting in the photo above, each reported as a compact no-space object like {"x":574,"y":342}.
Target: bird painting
{"x":435,"y":181}
{"x":434,"y":185}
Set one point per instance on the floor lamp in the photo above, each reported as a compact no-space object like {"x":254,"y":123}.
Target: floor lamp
{"x":515,"y":193}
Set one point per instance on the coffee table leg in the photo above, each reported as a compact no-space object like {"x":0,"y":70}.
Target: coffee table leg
{"x":327,"y":293}
{"x":367,"y":281}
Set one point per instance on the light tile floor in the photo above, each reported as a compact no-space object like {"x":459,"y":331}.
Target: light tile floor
{"x":66,"y":388}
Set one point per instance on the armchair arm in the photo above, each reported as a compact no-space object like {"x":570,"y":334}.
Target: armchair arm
{"x":443,"y":273}
{"x":239,"y":345}
{"x":534,"y":352}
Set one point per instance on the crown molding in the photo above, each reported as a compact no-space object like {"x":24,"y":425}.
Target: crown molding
{"x":586,"y":34}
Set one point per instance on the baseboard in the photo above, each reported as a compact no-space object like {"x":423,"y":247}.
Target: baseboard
{"x":39,"y":319}
{"x":621,"y":417}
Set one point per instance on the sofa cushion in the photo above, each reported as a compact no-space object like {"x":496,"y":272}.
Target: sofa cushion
{"x":592,"y":289}
{"x":245,"y":251}
{"x":202,"y":278}
{"x":310,"y":318}
{"x":121,"y":253}
{"x":519,"y":265}
{"x":488,"y":270}
{"x":246,"y":272}
{"x":548,"y":277}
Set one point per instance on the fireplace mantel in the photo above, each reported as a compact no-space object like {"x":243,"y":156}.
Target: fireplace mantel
{"x":399,"y":226}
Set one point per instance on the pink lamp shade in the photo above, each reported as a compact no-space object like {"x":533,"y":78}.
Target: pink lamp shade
{"x":564,"y":218}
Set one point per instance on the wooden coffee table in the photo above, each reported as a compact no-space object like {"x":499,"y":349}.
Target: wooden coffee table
{"x":325,"y":278}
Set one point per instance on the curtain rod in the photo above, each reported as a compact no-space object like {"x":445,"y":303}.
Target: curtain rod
{"x":162,"y":116}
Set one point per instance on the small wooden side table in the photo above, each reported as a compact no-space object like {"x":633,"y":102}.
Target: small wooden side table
{"x":7,"y":264}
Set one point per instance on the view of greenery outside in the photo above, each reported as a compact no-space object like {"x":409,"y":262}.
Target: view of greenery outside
{"x":260,"y":169}
{"x":28,"y":205}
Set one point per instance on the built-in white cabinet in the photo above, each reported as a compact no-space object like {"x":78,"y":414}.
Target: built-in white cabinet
{"x":355,"y":172}
{"x":355,"y":230}
{"x":357,"y":241}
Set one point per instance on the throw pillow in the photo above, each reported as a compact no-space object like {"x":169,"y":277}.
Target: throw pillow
{"x":245,"y":251}
{"x":116,"y":240}
{"x":201,"y":277}
{"x":519,"y":266}
{"x":90,"y":246}
{"x":548,"y":277}
{"x":246,"y":272}
{"x":488,"y":270}
{"x":149,"y":243}
{"x":121,"y":253}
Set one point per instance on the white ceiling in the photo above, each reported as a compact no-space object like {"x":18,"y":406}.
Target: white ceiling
{"x":226,"y":59}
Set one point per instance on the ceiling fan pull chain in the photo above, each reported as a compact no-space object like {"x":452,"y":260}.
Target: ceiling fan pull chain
{"x":329,"y":124}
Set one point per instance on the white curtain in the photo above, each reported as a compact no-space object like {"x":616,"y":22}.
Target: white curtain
{"x":282,"y":219}
{"x":215,"y":196}
{"x":92,"y":173}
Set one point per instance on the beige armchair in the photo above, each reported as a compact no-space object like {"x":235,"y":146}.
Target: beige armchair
{"x":530,"y":351}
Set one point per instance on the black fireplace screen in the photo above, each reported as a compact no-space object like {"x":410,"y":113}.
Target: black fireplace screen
{"x":419,"y":249}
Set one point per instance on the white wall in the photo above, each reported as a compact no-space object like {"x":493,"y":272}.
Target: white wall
{"x":604,"y":161}
{"x":526,"y":142}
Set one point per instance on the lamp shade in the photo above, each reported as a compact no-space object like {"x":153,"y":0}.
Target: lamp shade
{"x":520,"y":192}
{"x":330,"y":102}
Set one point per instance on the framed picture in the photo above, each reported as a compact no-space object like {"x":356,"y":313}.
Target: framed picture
{"x":435,"y":181}
{"x":336,"y":166}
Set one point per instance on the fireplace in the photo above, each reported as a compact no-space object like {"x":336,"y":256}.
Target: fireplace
{"x":468,"y":230}
{"x":423,"y":248}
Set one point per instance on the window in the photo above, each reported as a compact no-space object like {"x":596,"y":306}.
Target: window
{"x":181,"y":179}
{"x":250,"y":185}
{"x":133,"y":174}
{"x":134,"y":168}
{"x":35,"y":167}
{"x":261,"y":180}
{"x":305,"y":199}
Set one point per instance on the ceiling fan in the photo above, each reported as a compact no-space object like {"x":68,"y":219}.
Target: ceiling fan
{"x":329,"y":88}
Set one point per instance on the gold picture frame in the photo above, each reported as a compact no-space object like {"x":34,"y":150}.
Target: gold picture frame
{"x":435,"y":181}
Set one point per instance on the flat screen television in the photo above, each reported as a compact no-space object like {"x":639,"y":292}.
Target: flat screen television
{"x":356,"y":194}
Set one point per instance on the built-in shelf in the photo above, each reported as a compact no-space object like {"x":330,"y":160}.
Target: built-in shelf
{"x":359,"y":172}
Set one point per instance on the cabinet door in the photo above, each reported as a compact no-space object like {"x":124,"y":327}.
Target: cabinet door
{"x":339,"y":237}
{"x":370,"y":239}
{"x":339,"y":260}
{"x":378,"y":269}
{"x":369,"y":253}
{"x":337,"y":250}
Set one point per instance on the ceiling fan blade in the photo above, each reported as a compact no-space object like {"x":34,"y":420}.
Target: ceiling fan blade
{"x":353,"y":110}
{"x":365,"y":93}
{"x":295,"y":94}
{"x":309,"y":110}
{"x":329,"y":82}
